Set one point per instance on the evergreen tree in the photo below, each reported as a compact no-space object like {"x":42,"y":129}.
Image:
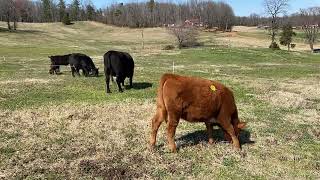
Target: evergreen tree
{"x":62,"y":9}
{"x":47,"y":10}
{"x":66,"y":19}
{"x":286,"y":35}
{"x":75,"y":10}
{"x":90,"y":12}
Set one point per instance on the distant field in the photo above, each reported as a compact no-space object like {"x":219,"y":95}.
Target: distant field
{"x":60,"y":127}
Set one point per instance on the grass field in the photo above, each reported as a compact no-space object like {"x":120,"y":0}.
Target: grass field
{"x":60,"y":127}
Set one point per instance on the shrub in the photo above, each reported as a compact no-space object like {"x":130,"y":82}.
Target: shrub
{"x":169,"y":47}
{"x":274,"y":46}
{"x":66,"y":19}
{"x":286,"y":36}
{"x":186,"y":37}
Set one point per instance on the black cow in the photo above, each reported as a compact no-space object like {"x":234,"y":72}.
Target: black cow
{"x":119,"y":64}
{"x":56,"y":61}
{"x":81,"y":61}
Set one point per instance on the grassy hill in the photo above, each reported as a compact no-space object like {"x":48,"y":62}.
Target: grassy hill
{"x":60,"y":127}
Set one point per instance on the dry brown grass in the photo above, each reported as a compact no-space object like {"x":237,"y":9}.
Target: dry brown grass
{"x":90,"y":135}
{"x":110,"y":141}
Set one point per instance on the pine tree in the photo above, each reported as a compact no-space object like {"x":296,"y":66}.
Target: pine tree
{"x":75,"y":10}
{"x":66,"y":19}
{"x":286,"y":35}
{"x":47,"y":11}
{"x":90,"y":12}
{"x":62,"y":9}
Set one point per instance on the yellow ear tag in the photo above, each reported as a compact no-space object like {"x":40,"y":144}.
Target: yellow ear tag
{"x":213,"y":88}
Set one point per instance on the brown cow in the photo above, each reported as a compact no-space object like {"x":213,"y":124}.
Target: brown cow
{"x":195,"y":100}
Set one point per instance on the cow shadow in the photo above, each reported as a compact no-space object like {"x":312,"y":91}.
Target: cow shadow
{"x":201,"y":137}
{"x":139,"y":85}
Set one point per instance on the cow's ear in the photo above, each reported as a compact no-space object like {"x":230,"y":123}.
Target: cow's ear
{"x":242,"y":125}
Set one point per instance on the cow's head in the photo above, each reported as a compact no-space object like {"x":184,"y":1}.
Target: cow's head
{"x":95,"y":72}
{"x":237,"y":128}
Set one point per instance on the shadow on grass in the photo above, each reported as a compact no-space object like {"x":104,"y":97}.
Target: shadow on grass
{"x":20,"y":31}
{"x":139,"y":85}
{"x":201,"y":136}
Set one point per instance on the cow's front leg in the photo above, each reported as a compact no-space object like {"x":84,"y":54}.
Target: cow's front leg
{"x":73,"y":70}
{"x":78,"y":71}
{"x":130,"y":79}
{"x":155,"y":124}
{"x":225,"y":123}
{"x":173,"y":122}
{"x":119,"y":83}
{"x":85,"y":72}
{"x":210,"y":132}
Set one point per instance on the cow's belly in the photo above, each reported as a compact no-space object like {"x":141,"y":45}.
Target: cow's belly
{"x":198,"y":116}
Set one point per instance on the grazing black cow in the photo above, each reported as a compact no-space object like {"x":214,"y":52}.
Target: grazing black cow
{"x":119,"y":64}
{"x":81,"y":61}
{"x":316,"y":50}
{"x":56,"y":61}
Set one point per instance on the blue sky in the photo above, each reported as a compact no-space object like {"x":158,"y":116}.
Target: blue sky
{"x":240,"y":7}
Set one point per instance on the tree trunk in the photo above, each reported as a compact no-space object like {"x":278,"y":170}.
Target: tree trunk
{"x":8,"y":22}
{"x":289,"y":47}
{"x":142,"y":36}
{"x":273,"y":36}
{"x":226,"y":29}
{"x":14,"y":24}
{"x":311,"y":46}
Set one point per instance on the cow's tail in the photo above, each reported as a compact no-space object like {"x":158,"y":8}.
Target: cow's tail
{"x":161,"y":107}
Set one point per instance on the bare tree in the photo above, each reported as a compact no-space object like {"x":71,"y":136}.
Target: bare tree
{"x":7,"y":10}
{"x":185,"y":37}
{"x":311,"y":34}
{"x":275,"y":8}
{"x":311,"y":25}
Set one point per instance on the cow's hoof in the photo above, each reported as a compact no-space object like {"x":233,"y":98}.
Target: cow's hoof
{"x":211,"y":141}
{"x":152,"y":148}
{"x":108,"y":92}
{"x":173,"y":149}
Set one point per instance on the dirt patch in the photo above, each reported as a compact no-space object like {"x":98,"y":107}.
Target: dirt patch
{"x":308,"y":88}
{"x":104,"y":133}
{"x":113,"y":168}
{"x":305,"y":116}
{"x":286,"y":99}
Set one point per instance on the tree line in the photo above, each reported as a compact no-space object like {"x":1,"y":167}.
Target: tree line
{"x":151,"y":14}
{"x":13,"y":11}
{"x":309,"y":15}
{"x":144,"y":14}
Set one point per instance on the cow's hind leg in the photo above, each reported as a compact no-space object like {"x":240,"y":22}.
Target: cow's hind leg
{"x":108,"y":82}
{"x":155,"y":124}
{"x":118,"y":83}
{"x":225,"y":123}
{"x":210,"y":132}
{"x":173,"y":121}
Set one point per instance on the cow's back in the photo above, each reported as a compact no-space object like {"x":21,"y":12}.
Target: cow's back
{"x":119,"y":63}
{"x":60,"y":59}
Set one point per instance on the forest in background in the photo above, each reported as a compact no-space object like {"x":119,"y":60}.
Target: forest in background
{"x":143,"y":14}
